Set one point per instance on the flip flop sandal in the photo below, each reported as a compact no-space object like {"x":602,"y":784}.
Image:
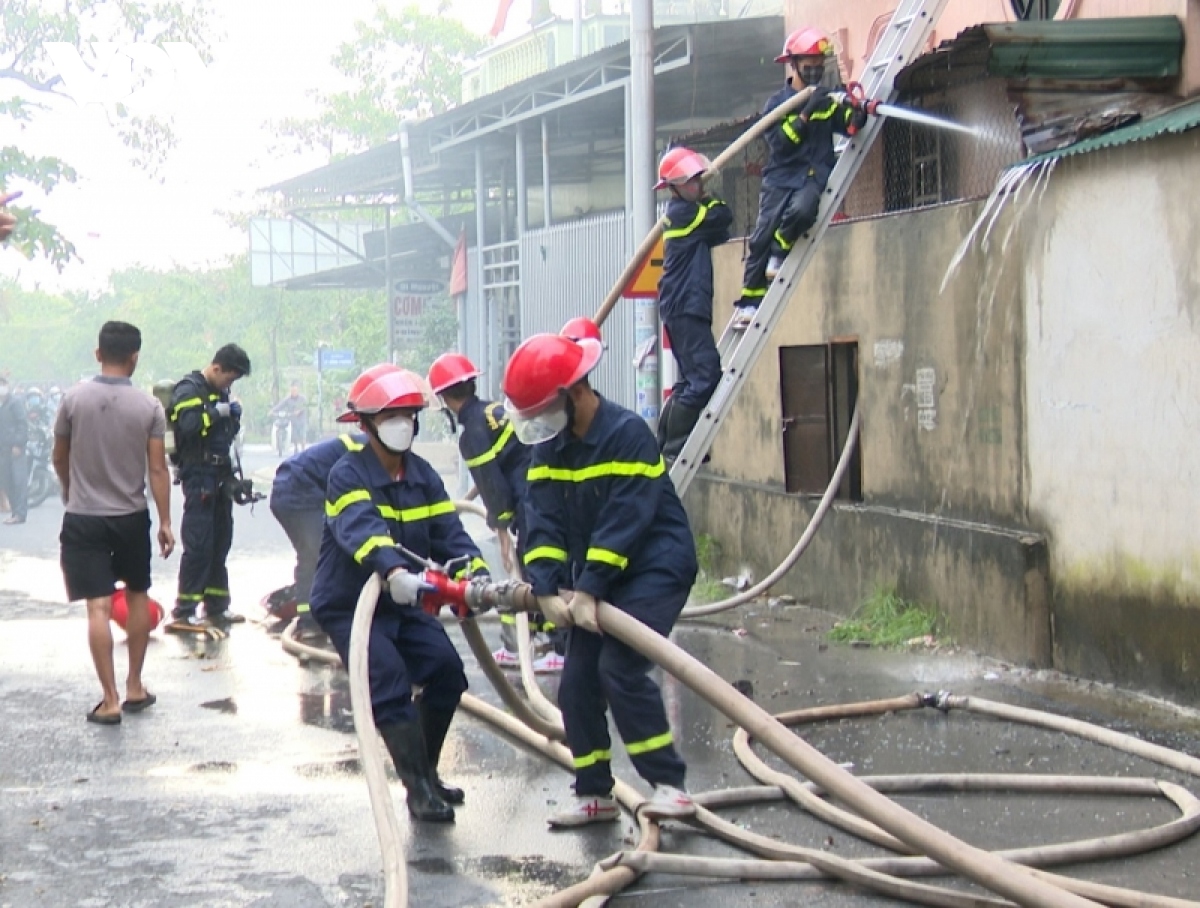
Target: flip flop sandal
{"x":96,"y":718}
{"x":136,"y":706}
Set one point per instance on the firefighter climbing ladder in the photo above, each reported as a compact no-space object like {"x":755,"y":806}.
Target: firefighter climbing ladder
{"x":901,"y":41}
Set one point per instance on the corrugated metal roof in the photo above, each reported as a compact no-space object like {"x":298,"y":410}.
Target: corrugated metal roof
{"x":1132,"y":47}
{"x":1176,"y":120}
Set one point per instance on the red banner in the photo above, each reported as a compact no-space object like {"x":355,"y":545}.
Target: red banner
{"x":501,"y":17}
{"x":458,"y":267}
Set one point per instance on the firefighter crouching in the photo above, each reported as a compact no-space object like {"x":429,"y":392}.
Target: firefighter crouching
{"x":377,"y":498}
{"x":604,"y":524}
{"x":205,"y":422}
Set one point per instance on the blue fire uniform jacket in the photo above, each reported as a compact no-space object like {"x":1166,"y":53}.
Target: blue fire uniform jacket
{"x":604,"y":517}
{"x":299,"y":483}
{"x":202,"y":438}
{"x":497,"y":460}
{"x":693,"y":228}
{"x":802,"y":151}
{"x":367,"y":512}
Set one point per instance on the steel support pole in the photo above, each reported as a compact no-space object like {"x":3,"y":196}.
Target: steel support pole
{"x":640,"y":142}
{"x":388,"y":284}
{"x":547,"y":206}
{"x":522,"y":185}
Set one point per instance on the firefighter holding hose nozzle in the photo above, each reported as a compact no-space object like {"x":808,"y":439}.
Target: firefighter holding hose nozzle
{"x":379,"y":499}
{"x":605,"y":524}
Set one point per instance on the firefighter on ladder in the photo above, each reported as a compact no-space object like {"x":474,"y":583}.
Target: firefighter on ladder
{"x":604,"y":524}
{"x":498,"y":463}
{"x":696,"y":223}
{"x":799,"y":165}
{"x":378,"y":498}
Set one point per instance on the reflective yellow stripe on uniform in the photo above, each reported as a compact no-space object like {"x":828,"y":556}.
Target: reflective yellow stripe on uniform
{"x":596,"y":756}
{"x":678,"y":232}
{"x":751,"y":292}
{"x":548,"y":552}
{"x":492,"y":453}
{"x":185,"y":405}
{"x":506,"y":618}
{"x":507,"y":515}
{"x":608,"y":557}
{"x":658,"y":742}
{"x":423,"y":512}
{"x":350,"y":443}
{"x":190,"y":597}
{"x":783,"y":243}
{"x":825,"y":114}
{"x":333,"y":508}
{"x":595,"y":471}
{"x":371,"y":545}
{"x":789,"y":128}
{"x":477,"y":564}
{"x":213,"y":591}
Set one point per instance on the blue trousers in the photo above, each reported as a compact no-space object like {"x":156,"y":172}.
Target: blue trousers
{"x":783,"y":216}
{"x":207,"y":534}
{"x":304,"y":530}
{"x":695,"y":350}
{"x":407,"y":647}
{"x":600,"y":673}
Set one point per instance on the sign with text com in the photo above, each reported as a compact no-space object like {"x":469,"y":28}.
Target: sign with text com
{"x":409,"y":302}
{"x":143,"y":78}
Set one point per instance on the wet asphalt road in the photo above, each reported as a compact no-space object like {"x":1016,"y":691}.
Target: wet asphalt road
{"x":241,"y":786}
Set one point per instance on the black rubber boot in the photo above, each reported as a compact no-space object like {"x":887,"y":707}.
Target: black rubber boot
{"x":435,"y":724}
{"x":674,"y":434}
{"x":406,"y":744}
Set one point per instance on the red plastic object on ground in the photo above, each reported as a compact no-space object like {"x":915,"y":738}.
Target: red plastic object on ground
{"x":120,"y":611}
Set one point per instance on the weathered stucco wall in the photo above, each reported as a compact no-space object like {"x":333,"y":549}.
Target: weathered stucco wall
{"x":1113,"y":403}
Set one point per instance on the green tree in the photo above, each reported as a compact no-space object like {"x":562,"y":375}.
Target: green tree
{"x":403,"y":66}
{"x":29,"y":86}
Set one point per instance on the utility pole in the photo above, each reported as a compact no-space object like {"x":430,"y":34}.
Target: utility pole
{"x":641,"y":145}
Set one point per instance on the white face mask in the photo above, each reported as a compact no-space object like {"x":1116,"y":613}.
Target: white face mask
{"x":540,"y":428}
{"x":397,"y":433}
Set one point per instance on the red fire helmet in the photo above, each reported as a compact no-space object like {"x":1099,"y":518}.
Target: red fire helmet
{"x":679,"y":165}
{"x":805,"y":42}
{"x":544,"y":365}
{"x":391,"y":389}
{"x":451,"y":369}
{"x":580,"y":327}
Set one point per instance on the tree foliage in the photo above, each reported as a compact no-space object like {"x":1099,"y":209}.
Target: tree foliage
{"x":30,"y":86}
{"x":402,"y":66}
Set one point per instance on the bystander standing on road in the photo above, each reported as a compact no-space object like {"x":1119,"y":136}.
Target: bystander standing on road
{"x":107,"y":438}
{"x":7,"y":221}
{"x":14,"y":436}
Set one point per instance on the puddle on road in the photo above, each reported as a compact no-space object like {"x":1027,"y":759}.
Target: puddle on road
{"x":228,"y":705}
{"x":327,"y":709}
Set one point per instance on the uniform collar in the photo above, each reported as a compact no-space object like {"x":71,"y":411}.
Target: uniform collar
{"x":469,"y":407}
{"x":597,"y":430}
{"x":377,"y":474}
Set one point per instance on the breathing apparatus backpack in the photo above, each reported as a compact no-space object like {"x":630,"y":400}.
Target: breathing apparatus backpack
{"x":164,"y":390}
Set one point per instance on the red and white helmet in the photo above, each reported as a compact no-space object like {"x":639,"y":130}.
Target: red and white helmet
{"x":580,"y":327}
{"x":679,"y":165}
{"x":805,"y":42}
{"x":541,"y":367}
{"x":390,"y":388}
{"x":451,"y":369}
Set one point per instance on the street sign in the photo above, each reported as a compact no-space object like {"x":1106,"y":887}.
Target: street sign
{"x":645,"y":282}
{"x":334,"y":359}
{"x":409,"y":299}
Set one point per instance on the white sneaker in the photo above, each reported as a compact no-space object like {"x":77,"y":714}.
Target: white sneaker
{"x":743,"y":316}
{"x":585,"y":810}
{"x":549,"y":664}
{"x":506,"y":658}
{"x":669,"y":803}
{"x":774,"y":266}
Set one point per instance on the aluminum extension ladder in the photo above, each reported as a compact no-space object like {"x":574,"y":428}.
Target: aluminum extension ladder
{"x":902,"y":40}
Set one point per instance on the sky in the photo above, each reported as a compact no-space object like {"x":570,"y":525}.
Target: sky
{"x":272,"y":54}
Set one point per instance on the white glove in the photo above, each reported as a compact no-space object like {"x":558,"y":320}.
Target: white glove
{"x":222,"y":408}
{"x":556,"y":609}
{"x":583,"y":612}
{"x":406,"y":588}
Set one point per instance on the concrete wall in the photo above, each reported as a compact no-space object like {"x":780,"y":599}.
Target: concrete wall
{"x":1113,"y":407}
{"x":853,"y":23}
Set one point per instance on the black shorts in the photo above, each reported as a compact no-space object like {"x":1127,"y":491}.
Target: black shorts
{"x":99,"y":551}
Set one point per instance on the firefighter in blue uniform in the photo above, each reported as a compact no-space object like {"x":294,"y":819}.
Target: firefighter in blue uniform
{"x":498,"y":463}
{"x":604,"y":524}
{"x":695,"y":223}
{"x":378,"y":498}
{"x":205,"y":423}
{"x":801,"y":159}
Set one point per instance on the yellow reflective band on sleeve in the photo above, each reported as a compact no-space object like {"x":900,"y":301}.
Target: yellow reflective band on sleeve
{"x":751,"y":292}
{"x":350,"y":443}
{"x":186,"y":404}
{"x":477,"y":564}
{"x":783,"y":244}
{"x":658,"y":742}
{"x":608,"y":557}
{"x":596,"y":471}
{"x":303,"y":608}
{"x":548,"y":552}
{"x":333,"y":508}
{"x":492,"y":453}
{"x":507,"y":515}
{"x":424,"y":512}
{"x":789,"y":128}
{"x":678,"y":232}
{"x":371,"y":545}
{"x":596,"y":756}
{"x":825,"y":114}
{"x":508,"y":619}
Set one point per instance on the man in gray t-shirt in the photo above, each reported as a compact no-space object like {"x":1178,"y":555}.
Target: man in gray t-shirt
{"x":107,"y":438}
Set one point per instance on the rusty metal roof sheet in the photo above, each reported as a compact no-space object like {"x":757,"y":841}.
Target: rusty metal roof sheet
{"x":1179,"y":119}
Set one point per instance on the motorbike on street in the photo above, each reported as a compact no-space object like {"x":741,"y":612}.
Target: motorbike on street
{"x":42,"y":480}
{"x":281,"y":435}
